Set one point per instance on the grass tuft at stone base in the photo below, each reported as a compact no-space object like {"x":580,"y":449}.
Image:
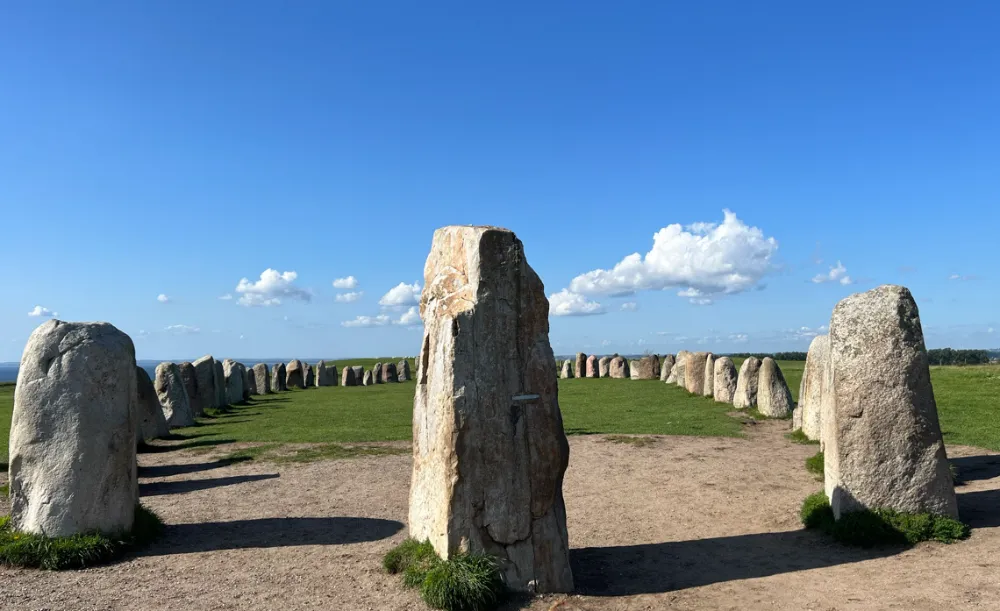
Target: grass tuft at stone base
{"x":797,"y":436}
{"x":76,"y":552}
{"x":465,"y":582}
{"x":880,"y":526}
{"x":815,"y":464}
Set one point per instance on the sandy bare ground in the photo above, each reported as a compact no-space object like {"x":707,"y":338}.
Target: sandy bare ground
{"x":685,"y":523}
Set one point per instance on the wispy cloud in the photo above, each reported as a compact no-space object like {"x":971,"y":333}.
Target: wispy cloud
{"x":961,"y":277}
{"x":349,"y":297}
{"x":42,"y":311}
{"x":629,"y":306}
{"x":162,"y":298}
{"x":347,"y":283}
{"x":226,"y":297}
{"x":182,"y":329}
{"x":837,"y":273}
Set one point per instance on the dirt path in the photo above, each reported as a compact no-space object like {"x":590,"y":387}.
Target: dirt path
{"x":684,"y":523}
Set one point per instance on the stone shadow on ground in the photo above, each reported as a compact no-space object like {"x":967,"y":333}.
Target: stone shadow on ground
{"x":654,"y":568}
{"x":192,"y":485}
{"x":270,"y":532}
{"x":157,"y":449}
{"x":170,"y":470}
{"x":973,"y":468}
{"x":980,"y":509}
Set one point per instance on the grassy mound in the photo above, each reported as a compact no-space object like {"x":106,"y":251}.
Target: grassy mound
{"x":880,"y":526}
{"x":76,"y":552}
{"x":815,"y":464}
{"x":466,"y":582}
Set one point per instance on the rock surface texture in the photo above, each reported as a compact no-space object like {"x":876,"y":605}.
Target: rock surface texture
{"x":219,"y":380}
{"x":279,"y":378}
{"x":489,"y":451}
{"x":746,"y":384}
{"x":295,"y":374}
{"x":604,"y":366}
{"x":150,"y":422}
{"x":580,"y":368}
{"x":618,"y":368}
{"x":173,"y":399}
{"x":677,"y":375}
{"x":204,"y":369}
{"x":694,"y":372}
{"x":774,"y":400}
{"x":887,"y":452}
{"x":404,"y":370}
{"x":666,"y":367}
{"x":709,"y":388}
{"x":812,"y":387}
{"x":234,"y":381}
{"x":262,"y":378}
{"x":347,"y":377}
{"x":725,"y":380}
{"x":72,"y":435}
{"x":646,"y":368}
{"x":567,"y":370}
{"x":190,"y":378}
{"x":389,"y":375}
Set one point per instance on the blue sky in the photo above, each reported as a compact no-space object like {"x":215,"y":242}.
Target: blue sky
{"x":177,"y":148}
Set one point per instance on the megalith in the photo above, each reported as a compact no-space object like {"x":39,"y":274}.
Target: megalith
{"x":618,"y":368}
{"x":347,"y":377}
{"x":666,"y":367}
{"x":389,"y":375}
{"x":279,"y":377}
{"x":359,"y":373}
{"x":677,"y":375}
{"x":489,"y":451}
{"x":246,"y":381}
{"x":646,"y":368}
{"x":308,"y":376}
{"x":811,"y":389}
{"x":219,"y":379}
{"x":369,"y":379}
{"x":887,"y":452}
{"x":593,"y":366}
{"x":724,"y":385}
{"x":251,"y":382}
{"x":332,"y":374}
{"x":604,"y":366}
{"x":173,"y":399}
{"x":709,"y":387}
{"x":404,"y":370}
{"x":204,"y":369}
{"x":580,"y":368}
{"x":774,"y":400}
{"x":262,"y":378}
{"x":150,"y":423}
{"x":72,"y":435}
{"x":234,"y":381}
{"x":567,"y":370}
{"x":694,"y":372}
{"x":322,"y":377}
{"x":295,"y":375}
{"x":746,"y":384}
{"x":190,"y":379}
{"x":377,"y":373}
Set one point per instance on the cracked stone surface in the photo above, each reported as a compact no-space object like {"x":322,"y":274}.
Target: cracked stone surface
{"x":746,"y":384}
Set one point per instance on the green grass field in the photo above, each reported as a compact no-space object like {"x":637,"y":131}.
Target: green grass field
{"x":967,"y":400}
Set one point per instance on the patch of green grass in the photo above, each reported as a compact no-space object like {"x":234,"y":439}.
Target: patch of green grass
{"x":278,"y":453}
{"x":76,"y":552}
{"x":879,"y":526}
{"x":465,"y":582}
{"x":815,"y":464}
{"x":639,"y":442}
{"x":5,"y":490}
{"x":798,"y":436}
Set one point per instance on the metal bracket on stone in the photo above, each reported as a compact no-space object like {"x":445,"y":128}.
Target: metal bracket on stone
{"x":524,"y":398}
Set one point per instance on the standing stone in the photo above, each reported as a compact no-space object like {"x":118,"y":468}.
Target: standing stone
{"x":173,"y":399}
{"x":797,"y":418}
{"x":618,"y":368}
{"x":709,"y":385}
{"x":295,"y":374}
{"x":489,"y":451}
{"x":150,"y":423}
{"x":369,"y":379}
{"x":677,"y":375}
{"x":246,"y":381}
{"x":404,"y":370}
{"x":567,"y":370}
{"x":251,"y":382}
{"x":221,"y":395}
{"x":389,"y":375}
{"x":604,"y":366}
{"x":308,"y":376}
{"x":694,"y":372}
{"x":887,"y":452}
{"x":377,"y":373}
{"x":234,"y":381}
{"x":593,"y":368}
{"x":666,"y":367}
{"x":190,"y":378}
{"x":580,"y":369}
{"x":332,"y":375}
{"x":746,"y":384}
{"x":811,"y":389}
{"x":359,"y":373}
{"x":774,"y":400}
{"x":348,"y":378}
{"x":324,"y":375}
{"x":279,"y":377}
{"x":204,"y":369}
{"x":646,"y":368}
{"x":724,"y":383}
{"x":263,"y":378}
{"x":72,"y":435}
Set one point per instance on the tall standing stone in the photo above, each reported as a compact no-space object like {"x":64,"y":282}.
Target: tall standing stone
{"x":234,"y":381}
{"x":369,"y":379}
{"x":359,"y":374}
{"x":377,"y":373}
{"x":190,"y":379}
{"x":709,"y":388}
{"x":887,"y":452}
{"x":332,"y":374}
{"x":677,"y":375}
{"x":774,"y":400}
{"x":666,"y":367}
{"x":567,"y":370}
{"x":746,"y":384}
{"x":173,"y":399}
{"x":404,"y":370}
{"x":251,"y":382}
{"x":811,"y":389}
{"x":593,"y":367}
{"x":724,"y":383}
{"x":694,"y":372}
{"x":279,"y":377}
{"x":604,"y":366}
{"x":219,"y":379}
{"x":245,"y":373}
{"x":580,"y":367}
{"x":150,"y":423}
{"x":489,"y":451}
{"x":389,"y":375}
{"x":646,"y":368}
{"x":348,"y":378}
{"x":262,"y":378}
{"x":308,"y":375}
{"x":204,"y":369}
{"x":323,"y":375}
{"x":295,"y":374}
{"x":72,"y":435}
{"x":618,"y":368}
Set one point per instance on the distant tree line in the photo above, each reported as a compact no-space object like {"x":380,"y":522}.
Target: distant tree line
{"x":948,"y":356}
{"x":778,"y":356}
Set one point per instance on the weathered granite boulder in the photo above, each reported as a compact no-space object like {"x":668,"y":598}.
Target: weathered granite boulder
{"x":604,"y":367}
{"x":322,"y":376}
{"x":279,"y":377}
{"x":811,"y":389}
{"x":377,"y":373}
{"x":887,"y":452}
{"x":618,"y":368}
{"x":593,"y":367}
{"x":359,"y":373}
{"x":190,"y":378}
{"x":204,"y":369}
{"x":262,"y":376}
{"x":646,"y":368}
{"x":567,"y":370}
{"x":295,"y":374}
{"x":171,"y":396}
{"x":797,"y":418}
{"x":709,"y":389}
{"x":234,"y":381}
{"x":347,"y":377}
{"x":369,"y":379}
{"x":666,"y":367}
{"x":308,"y":376}
{"x":677,"y":375}
{"x":150,"y":423}
{"x":746,"y":384}
{"x":404,"y":370}
{"x":724,"y":383}
{"x":489,"y":451}
{"x":251,"y":382}
{"x":219,"y":379}
{"x":580,"y":368}
{"x":694,"y":372}
{"x":774,"y":400}
{"x":72,"y":435}
{"x":389,"y":375}
{"x":332,"y":374}
{"x":246,"y":381}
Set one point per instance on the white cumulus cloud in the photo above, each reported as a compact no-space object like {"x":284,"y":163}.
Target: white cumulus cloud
{"x":629,"y":306}
{"x":226,"y":297}
{"x":709,"y":258}
{"x":837,"y":273}
{"x":349,"y":282}
{"x":382,"y":320}
{"x":182,"y":329}
{"x":162,"y":298}
{"x":401,"y":296}
{"x":272,"y":287}
{"x":349,"y":297}
{"x":42,"y":311}
{"x":410,"y":318}
{"x":568,"y":303}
